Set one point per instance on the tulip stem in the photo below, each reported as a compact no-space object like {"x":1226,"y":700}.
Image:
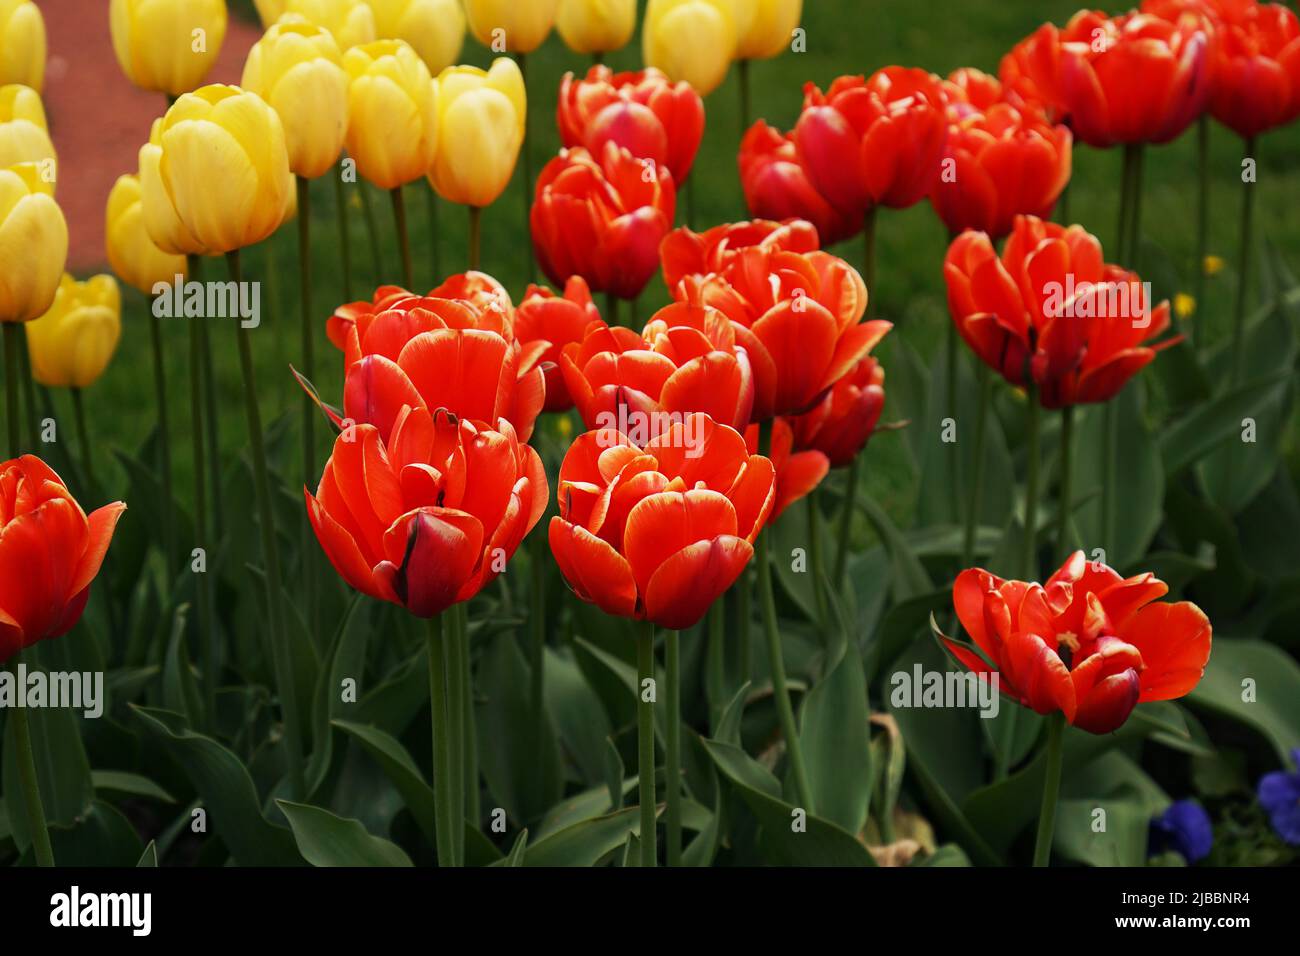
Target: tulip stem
{"x":976,"y":497}
{"x":164,"y":443}
{"x":846,"y":522}
{"x":368,"y":213}
{"x":611,"y":309}
{"x":645,"y":727}
{"x":776,"y":660}
{"x":202,"y":594}
{"x":29,"y":399}
{"x":815,"y":552}
{"x":673,"y":746}
{"x":526,"y":168}
{"x":1051,"y":790}
{"x":715,"y":673}
{"x":309,"y":413}
{"x":475,"y":236}
{"x":455,"y":665}
{"x":471,"y":729}
{"x":83,"y":437}
{"x":431,"y":207}
{"x":403,"y":237}
{"x":1239,"y":306}
{"x":345,"y":248}
{"x":29,"y":782}
{"x":212,"y":421}
{"x":1066,"y":506}
{"x":271,"y":554}
{"x":12,"y":345}
{"x":537,"y":643}
{"x":1028,"y":556}
{"x":742,"y":72}
{"x":442,"y":804}
{"x":1202,"y":228}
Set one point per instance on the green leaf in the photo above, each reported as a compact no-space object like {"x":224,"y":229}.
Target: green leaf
{"x":517,"y":852}
{"x":1267,"y":677}
{"x":150,"y":856}
{"x":614,"y":774}
{"x":346,"y":659}
{"x":132,"y":784}
{"x":909,"y":577}
{"x":1215,"y":423}
{"x":1122,"y":841}
{"x":586,"y":842}
{"x":102,"y":837}
{"x":398,"y":766}
{"x":327,"y":840}
{"x":836,"y":744}
{"x":577,"y":713}
{"x":180,"y":689}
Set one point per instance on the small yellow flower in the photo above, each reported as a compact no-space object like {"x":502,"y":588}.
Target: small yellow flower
{"x":1213,"y":265}
{"x":564,"y":425}
{"x":22,"y":44}
{"x":72,"y":343}
{"x":1184,"y":305}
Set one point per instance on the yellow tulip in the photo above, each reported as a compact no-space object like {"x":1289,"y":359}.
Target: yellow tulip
{"x":350,"y":22}
{"x":22,"y":44}
{"x":596,"y":26}
{"x":269,"y":11}
{"x":134,"y":256}
{"x":167,"y":45}
{"x":766,"y":27}
{"x":161,"y":220}
{"x":72,"y":343}
{"x":691,"y":40}
{"x":435,"y":28}
{"x":223,"y":164}
{"x":297,"y":68}
{"x":393,"y":113}
{"x":33,"y":243}
{"x":511,"y":26}
{"x":480,"y":131}
{"x":24,"y":137}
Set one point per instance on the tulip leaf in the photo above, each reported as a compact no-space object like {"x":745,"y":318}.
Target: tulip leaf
{"x":1197,"y":434}
{"x":909,"y":577}
{"x":101,"y":837}
{"x":131,"y":784}
{"x":345,"y":661}
{"x":328,"y":840}
{"x":180,"y":688}
{"x":586,"y":842}
{"x":836,"y":743}
{"x":1256,"y":684}
{"x":1117,"y":839}
{"x":398,"y":766}
{"x":149,"y":858}
{"x":577,"y":713}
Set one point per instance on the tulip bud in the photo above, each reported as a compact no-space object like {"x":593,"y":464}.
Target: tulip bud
{"x":350,"y":22}
{"x":167,"y":46}
{"x":158,"y":211}
{"x":297,"y":68}
{"x":134,"y":256}
{"x":769,"y":29}
{"x":480,"y":131}
{"x":221,"y":135}
{"x":596,"y":26}
{"x":434,"y":28}
{"x":72,"y":343}
{"x":33,"y":243}
{"x":393,"y":113}
{"x":508,"y":26}
{"x":22,"y":44}
{"x":24,"y":137}
{"x":691,"y":40}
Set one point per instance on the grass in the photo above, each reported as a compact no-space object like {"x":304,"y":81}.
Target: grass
{"x":842,"y":37}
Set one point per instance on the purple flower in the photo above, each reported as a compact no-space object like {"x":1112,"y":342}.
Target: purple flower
{"x":1185,"y":827}
{"x":1279,"y":795}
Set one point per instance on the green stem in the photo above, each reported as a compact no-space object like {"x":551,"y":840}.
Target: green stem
{"x":1202,"y":227}
{"x":431,"y":207}
{"x":950,"y":374}
{"x":611,"y":308}
{"x":372,"y":230}
{"x":345,"y":247}
{"x":776,"y":659}
{"x":309,"y":411}
{"x":202,"y":594}
{"x":28,"y":780}
{"x":1066,"y":505}
{"x":29,"y":398}
{"x":537,"y":641}
{"x":1051,"y":790}
{"x":673,"y":746}
{"x":846,"y":522}
{"x":211,"y":420}
{"x":815,"y":554}
{"x":526,"y":167}
{"x":1243,"y":270}
{"x":455,"y":670}
{"x":976,"y":497}
{"x":403,"y":237}
{"x":164,"y":442}
{"x":12,"y":345}
{"x":271,"y":555}
{"x":645,"y":725}
{"x":471,"y":727}
{"x":715,"y":673}
{"x":475,"y":237}
{"x":83,"y":437}
{"x":744,"y":619}
{"x":742,"y":69}
{"x":1028,"y":556}
{"x":442,"y":800}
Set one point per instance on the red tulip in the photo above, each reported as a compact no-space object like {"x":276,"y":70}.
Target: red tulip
{"x":1091,"y":645}
{"x":1052,"y":312}
{"x":718,"y":250}
{"x":602,"y":221}
{"x":439,"y":353}
{"x":1136,"y":79}
{"x":798,"y":318}
{"x":50,"y":551}
{"x":644,"y":112}
{"x":873,"y":142}
{"x":777,"y":186}
{"x":687,"y":360}
{"x":841,"y":424}
{"x":555,"y":321}
{"x":999,"y":161}
{"x":430,"y":517}
{"x":1257,"y":68}
{"x":1031,"y":72}
{"x":659,"y":533}
{"x":973,"y":88}
{"x":798,"y":473}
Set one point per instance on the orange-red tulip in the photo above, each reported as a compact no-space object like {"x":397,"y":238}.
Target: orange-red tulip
{"x":798,"y":473}
{"x":453,"y":349}
{"x":1031,"y":71}
{"x":717,"y":250}
{"x":873,"y":142}
{"x":686,"y":360}
{"x":602,"y":220}
{"x":840,"y":426}
{"x":1000,"y":161}
{"x":644,"y":112}
{"x":1257,"y":68}
{"x":428,"y":518}
{"x":50,"y":551}
{"x":556,"y":321}
{"x":1090,"y":644}
{"x":777,"y":186}
{"x":1050,"y":311}
{"x":659,"y":533}
{"x":798,"y":317}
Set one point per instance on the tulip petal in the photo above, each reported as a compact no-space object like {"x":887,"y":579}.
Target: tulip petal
{"x":688,"y":582}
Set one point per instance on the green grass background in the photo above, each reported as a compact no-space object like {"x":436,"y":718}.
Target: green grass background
{"x":843,"y":36}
